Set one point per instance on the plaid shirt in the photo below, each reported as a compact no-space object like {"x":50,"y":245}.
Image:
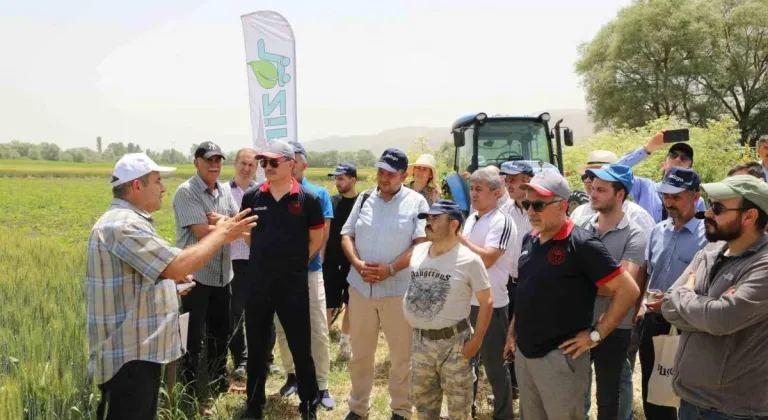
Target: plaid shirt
{"x":132,"y":313}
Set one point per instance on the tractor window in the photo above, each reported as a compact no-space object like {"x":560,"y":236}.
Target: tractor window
{"x":501,"y":140}
{"x":464,"y":153}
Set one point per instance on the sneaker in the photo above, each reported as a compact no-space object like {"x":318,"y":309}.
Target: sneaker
{"x":353,"y":416}
{"x":345,"y":351}
{"x":291,"y":386}
{"x":326,"y":400}
{"x":275,"y":369}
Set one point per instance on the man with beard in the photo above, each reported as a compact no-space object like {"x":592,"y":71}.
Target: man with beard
{"x":208,"y":303}
{"x":444,"y":277}
{"x":720,"y":305}
{"x":335,"y":265}
{"x":671,"y":247}
{"x":646,"y":192}
{"x":625,"y":241}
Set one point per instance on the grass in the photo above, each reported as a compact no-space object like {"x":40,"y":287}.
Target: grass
{"x":43,"y":345}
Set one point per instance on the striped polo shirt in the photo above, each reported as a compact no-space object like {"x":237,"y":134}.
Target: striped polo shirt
{"x":191,"y":201}
{"x":494,"y":229}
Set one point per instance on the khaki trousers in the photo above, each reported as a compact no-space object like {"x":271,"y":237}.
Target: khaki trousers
{"x":365,"y":316}
{"x":319,"y":327}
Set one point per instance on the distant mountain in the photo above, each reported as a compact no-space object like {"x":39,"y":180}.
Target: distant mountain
{"x":404,"y":138}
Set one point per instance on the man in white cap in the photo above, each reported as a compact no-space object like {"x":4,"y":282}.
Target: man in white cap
{"x":131,"y":282}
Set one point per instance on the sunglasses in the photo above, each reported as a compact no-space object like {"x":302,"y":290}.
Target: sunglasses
{"x":682,"y":156}
{"x":718,"y":208}
{"x":538,"y":206}
{"x":273,"y":163}
{"x":585,"y":177}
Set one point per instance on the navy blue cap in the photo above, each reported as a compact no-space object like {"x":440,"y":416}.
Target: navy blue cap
{"x":393,"y":160}
{"x":614,"y":173}
{"x":298,"y":148}
{"x":515,"y":167}
{"x":444,"y":206}
{"x":345,"y":169}
{"x":680,"y":179}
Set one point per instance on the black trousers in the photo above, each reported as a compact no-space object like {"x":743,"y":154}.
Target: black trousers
{"x":653,"y":325}
{"x":237,"y":344}
{"x":209,"y":320}
{"x":512,"y":292}
{"x":132,"y":393}
{"x":293,"y":312}
{"x":609,"y":357}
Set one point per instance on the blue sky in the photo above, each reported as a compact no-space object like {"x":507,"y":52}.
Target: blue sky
{"x":167,"y":74}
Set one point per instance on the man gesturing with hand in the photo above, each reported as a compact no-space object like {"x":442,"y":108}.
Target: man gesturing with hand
{"x":560,"y":270}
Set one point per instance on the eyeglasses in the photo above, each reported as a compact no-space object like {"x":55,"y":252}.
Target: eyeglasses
{"x":682,"y":156}
{"x":718,"y":208}
{"x":538,"y":206}
{"x":274,"y":163}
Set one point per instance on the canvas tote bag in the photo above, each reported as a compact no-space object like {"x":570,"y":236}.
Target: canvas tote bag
{"x":660,"y":391}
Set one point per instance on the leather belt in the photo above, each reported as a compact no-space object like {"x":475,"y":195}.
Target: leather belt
{"x":444,"y":333}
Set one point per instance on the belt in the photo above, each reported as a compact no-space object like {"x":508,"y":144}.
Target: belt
{"x":444,"y":333}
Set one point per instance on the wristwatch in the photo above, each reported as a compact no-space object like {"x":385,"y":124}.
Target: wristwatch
{"x":391,"y":270}
{"x":594,"y":335}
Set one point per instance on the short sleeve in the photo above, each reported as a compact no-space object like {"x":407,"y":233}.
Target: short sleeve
{"x":327,"y":205}
{"x":247,"y":202}
{"x":500,"y":230}
{"x":478,"y":275}
{"x":187,"y":209}
{"x":233,"y":207}
{"x":634,"y":251}
{"x":421,"y":224}
{"x":142,"y":249}
{"x":314,"y":212}
{"x":598,"y":264}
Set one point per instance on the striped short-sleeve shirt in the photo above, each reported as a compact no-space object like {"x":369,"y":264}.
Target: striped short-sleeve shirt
{"x":191,"y":201}
{"x":132,"y":313}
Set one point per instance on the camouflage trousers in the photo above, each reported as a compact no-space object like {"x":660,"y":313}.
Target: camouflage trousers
{"x":439,"y":367}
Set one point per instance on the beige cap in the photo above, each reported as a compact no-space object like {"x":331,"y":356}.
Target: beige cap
{"x":597,"y":158}
{"x":427,"y":161}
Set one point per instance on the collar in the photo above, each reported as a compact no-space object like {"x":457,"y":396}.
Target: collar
{"x":564,"y":232}
{"x":233,"y":184}
{"x":623,"y":223}
{"x":295,"y":186}
{"x":201,"y":184}
{"x":513,"y":204}
{"x":692,"y":225}
{"x":122,"y":204}
{"x":478,"y":217}
{"x":397,"y":194}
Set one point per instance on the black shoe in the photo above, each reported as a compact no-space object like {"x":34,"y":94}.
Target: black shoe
{"x":353,"y":416}
{"x":291,"y":386}
{"x":308,"y":411}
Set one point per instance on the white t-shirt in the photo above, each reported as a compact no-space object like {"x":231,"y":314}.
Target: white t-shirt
{"x":495,"y":229}
{"x":440,"y":288}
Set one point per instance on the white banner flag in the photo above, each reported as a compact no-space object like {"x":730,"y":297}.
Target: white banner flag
{"x":270,"y":56}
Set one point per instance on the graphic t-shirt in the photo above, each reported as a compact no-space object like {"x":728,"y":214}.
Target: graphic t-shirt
{"x":441,"y":287}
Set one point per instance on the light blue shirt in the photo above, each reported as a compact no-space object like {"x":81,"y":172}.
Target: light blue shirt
{"x":646,"y":192}
{"x":382,"y":231}
{"x":669,"y":252}
{"x":325,"y":202}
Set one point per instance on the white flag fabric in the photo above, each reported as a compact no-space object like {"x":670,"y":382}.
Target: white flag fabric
{"x":270,"y":56}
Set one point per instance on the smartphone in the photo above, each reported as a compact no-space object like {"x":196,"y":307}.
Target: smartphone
{"x":674,"y":136}
{"x":184,"y":286}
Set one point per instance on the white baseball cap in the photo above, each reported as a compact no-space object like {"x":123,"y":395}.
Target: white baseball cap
{"x":135,"y":165}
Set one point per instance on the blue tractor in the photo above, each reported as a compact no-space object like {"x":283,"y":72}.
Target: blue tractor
{"x":481,"y":141}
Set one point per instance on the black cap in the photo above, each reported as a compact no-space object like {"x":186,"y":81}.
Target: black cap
{"x":393,"y":160}
{"x":444,"y":206}
{"x":345,"y":169}
{"x":682,"y":147}
{"x":207,"y":149}
{"x":678,"y":180}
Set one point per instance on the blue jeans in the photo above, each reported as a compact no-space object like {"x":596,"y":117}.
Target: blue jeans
{"x":626,"y":389}
{"x":689,"y":411}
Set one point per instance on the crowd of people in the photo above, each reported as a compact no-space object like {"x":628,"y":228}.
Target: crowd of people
{"x":540,"y":285}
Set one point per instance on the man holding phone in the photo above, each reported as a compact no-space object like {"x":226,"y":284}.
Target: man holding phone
{"x":645,"y":191}
{"x":131,"y":283}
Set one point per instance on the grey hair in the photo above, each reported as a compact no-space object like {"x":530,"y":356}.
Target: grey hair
{"x":489,"y":175}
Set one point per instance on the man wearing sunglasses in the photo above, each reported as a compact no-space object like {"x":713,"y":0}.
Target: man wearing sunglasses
{"x":626,"y":242}
{"x":671,"y":247}
{"x":291,"y":230}
{"x":320,"y":340}
{"x":209,"y":302}
{"x":561,"y":268}
{"x":720,"y":306}
{"x":646,"y":192}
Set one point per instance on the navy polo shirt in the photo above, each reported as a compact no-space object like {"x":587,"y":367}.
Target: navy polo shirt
{"x":556,"y":287}
{"x":279,"y":258}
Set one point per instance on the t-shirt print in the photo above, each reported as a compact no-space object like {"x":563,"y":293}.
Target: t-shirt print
{"x":427,"y":292}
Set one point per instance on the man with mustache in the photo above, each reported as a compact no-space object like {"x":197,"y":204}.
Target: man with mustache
{"x":290,"y":232}
{"x":720,"y":306}
{"x":208,"y":303}
{"x":561,"y":268}
{"x":671,"y":247}
{"x":444,"y":277}
{"x":646,"y":192}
